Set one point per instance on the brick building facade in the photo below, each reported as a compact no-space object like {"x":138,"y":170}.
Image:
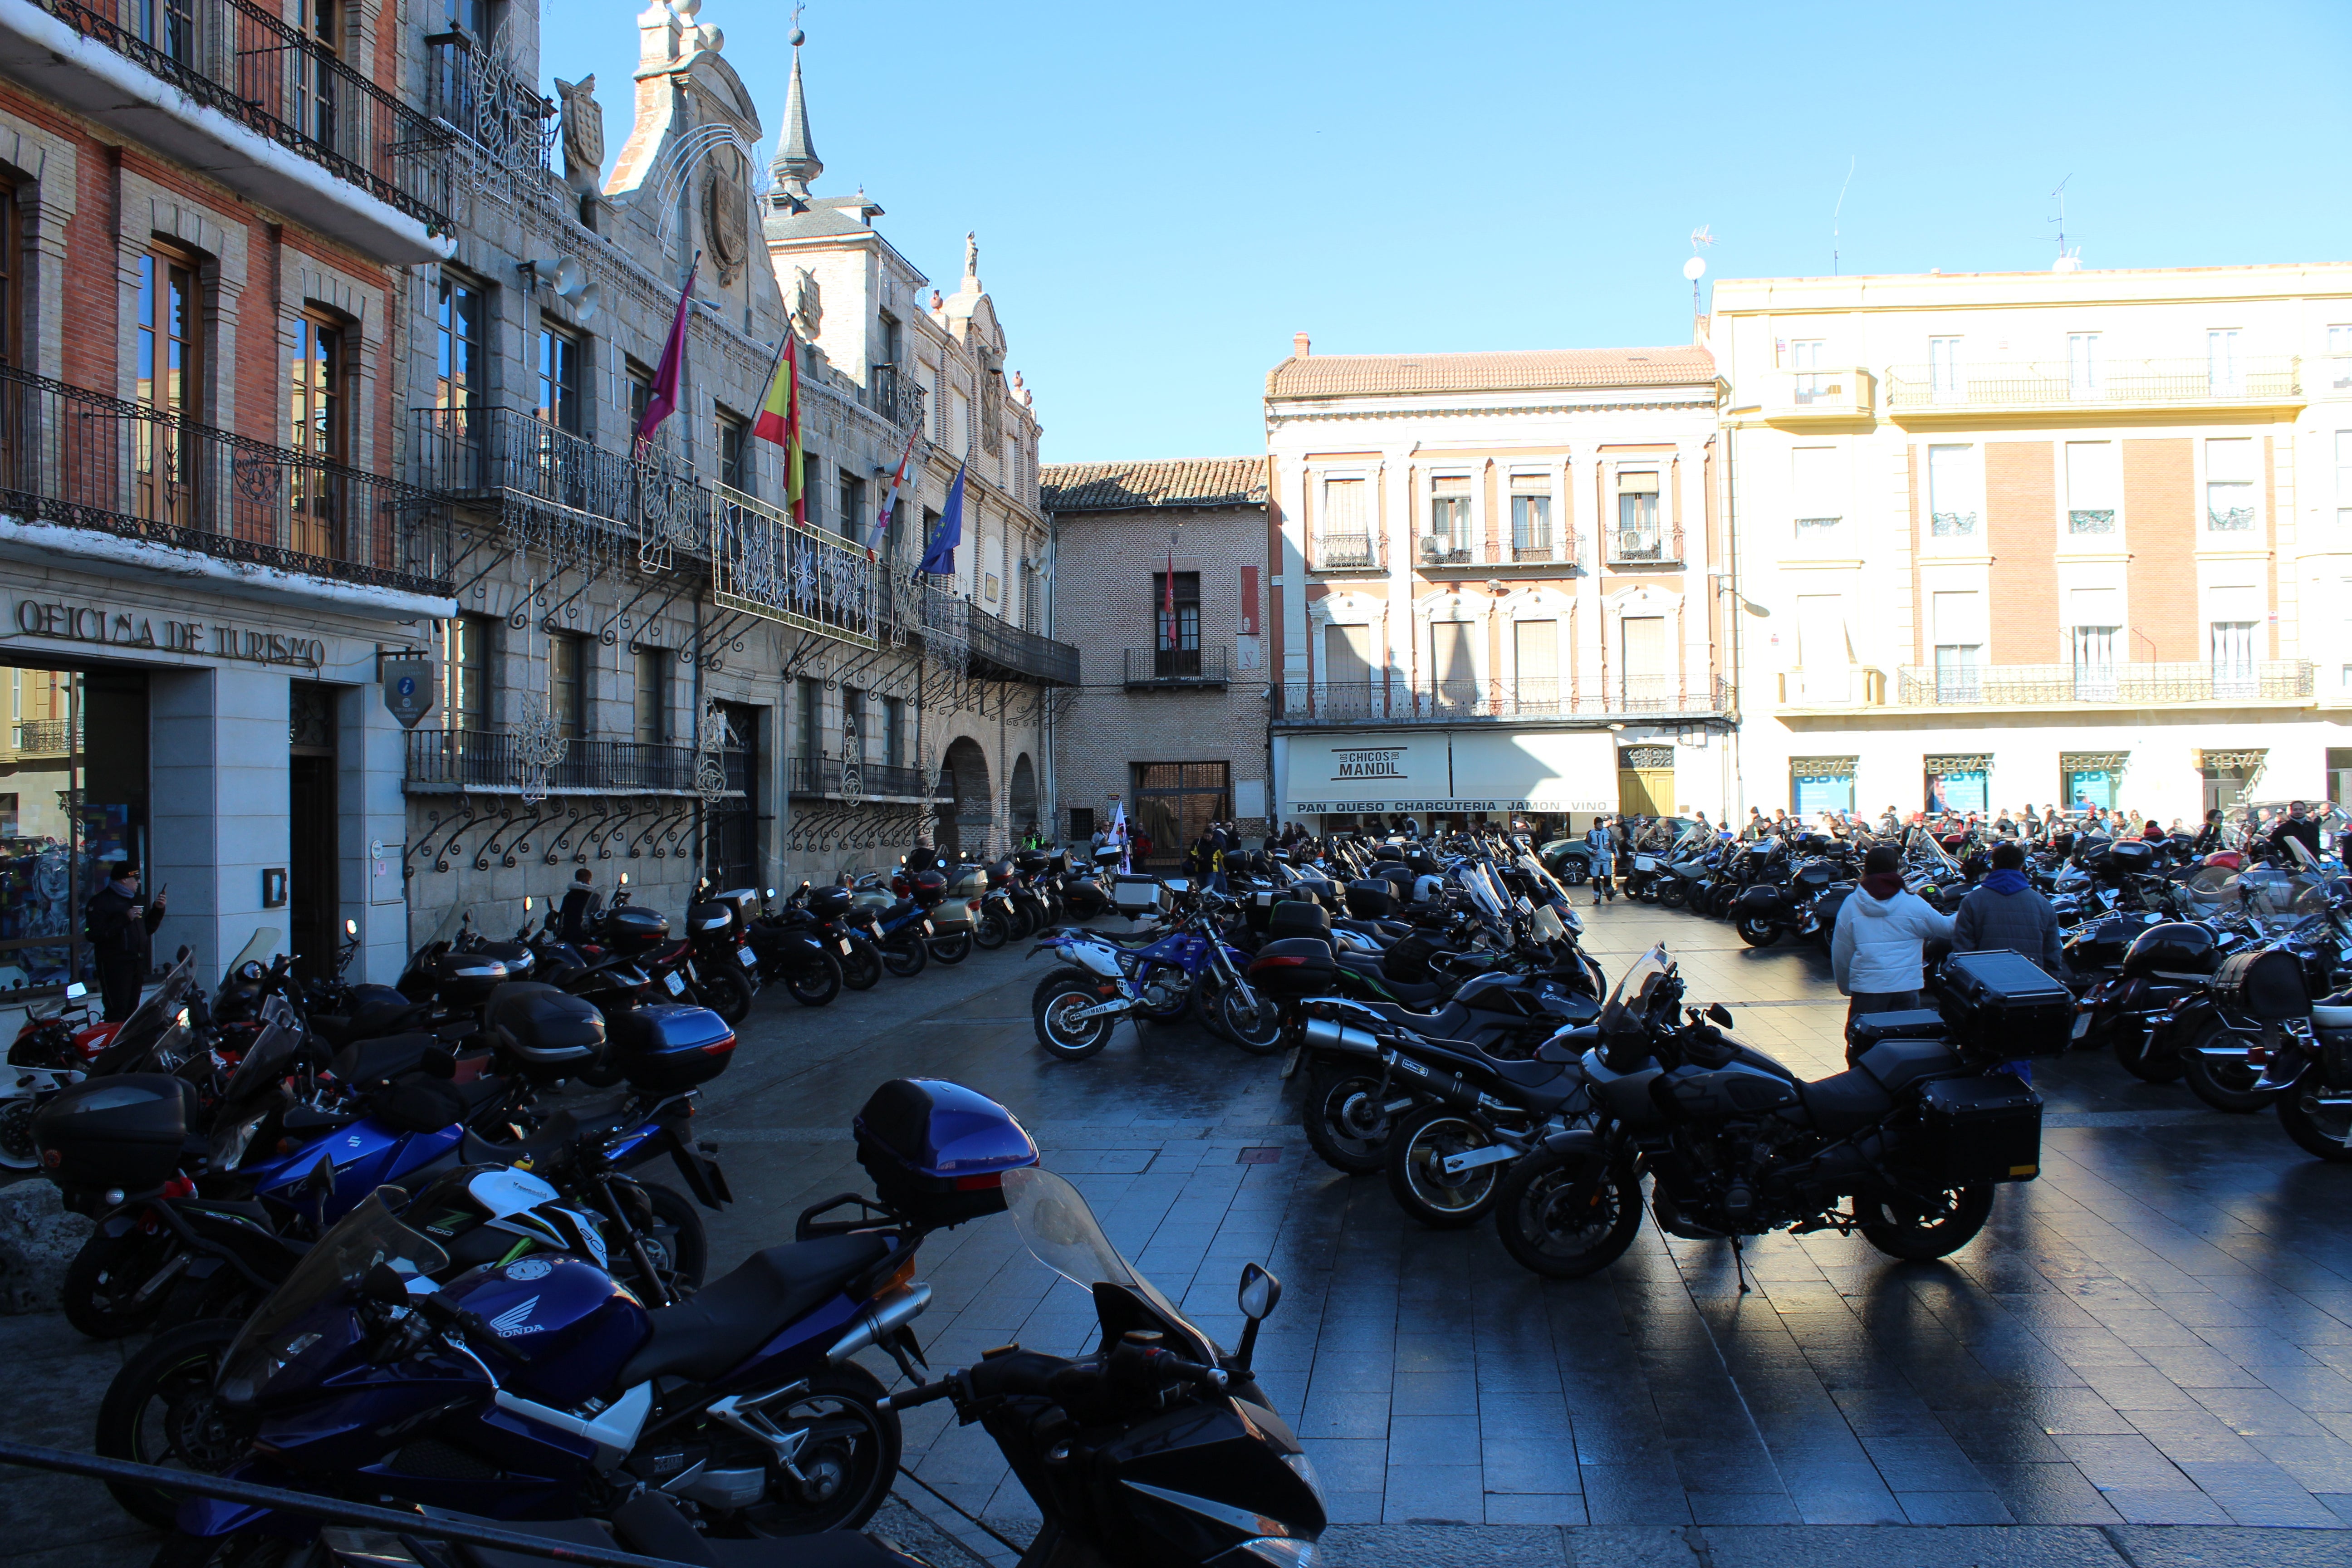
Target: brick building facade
{"x":1173,"y":720}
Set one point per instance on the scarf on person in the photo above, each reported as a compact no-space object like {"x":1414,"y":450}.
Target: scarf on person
{"x":2007,"y":882}
{"x":1882,"y":885}
{"x":125,"y":889}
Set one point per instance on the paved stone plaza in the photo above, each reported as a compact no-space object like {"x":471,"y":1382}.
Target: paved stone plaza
{"x":2157,"y":1332}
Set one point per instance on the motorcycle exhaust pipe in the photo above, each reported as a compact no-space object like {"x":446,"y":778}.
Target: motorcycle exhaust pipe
{"x":879,"y":1320}
{"x":1323,"y":1035}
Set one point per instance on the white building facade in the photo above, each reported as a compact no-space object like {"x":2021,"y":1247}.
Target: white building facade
{"x":2080,"y":537}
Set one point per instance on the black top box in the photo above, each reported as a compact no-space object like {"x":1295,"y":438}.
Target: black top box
{"x":2002,"y":1004}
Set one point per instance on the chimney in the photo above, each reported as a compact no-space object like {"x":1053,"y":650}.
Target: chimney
{"x":1298,"y":345}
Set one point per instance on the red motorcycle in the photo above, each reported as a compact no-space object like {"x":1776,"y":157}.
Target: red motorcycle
{"x":50,"y":1051}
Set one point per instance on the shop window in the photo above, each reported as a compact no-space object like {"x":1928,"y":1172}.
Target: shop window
{"x":2086,"y":780}
{"x":77,"y":747}
{"x":1821,"y":784}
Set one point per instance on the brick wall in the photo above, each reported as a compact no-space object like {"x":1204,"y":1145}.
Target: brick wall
{"x":2160,"y":519}
{"x":1104,"y":563}
{"x":2020,"y":502}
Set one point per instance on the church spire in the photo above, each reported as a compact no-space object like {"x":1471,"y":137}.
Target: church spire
{"x":796,"y":163}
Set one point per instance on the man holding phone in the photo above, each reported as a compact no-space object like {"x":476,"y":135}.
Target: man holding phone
{"x":118,"y":926}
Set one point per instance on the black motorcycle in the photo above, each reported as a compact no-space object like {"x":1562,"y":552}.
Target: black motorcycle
{"x":1905,"y":1148}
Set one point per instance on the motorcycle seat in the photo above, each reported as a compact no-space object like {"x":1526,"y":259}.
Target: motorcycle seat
{"x":1845,"y":1103}
{"x":736,"y":1313}
{"x":371,"y":1020}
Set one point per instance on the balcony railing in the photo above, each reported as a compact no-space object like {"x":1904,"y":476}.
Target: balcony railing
{"x":2052,"y":382}
{"x":895,"y":396}
{"x":44,"y":737}
{"x":1347,"y":553}
{"x":490,"y":761}
{"x":84,"y":460}
{"x":991,"y":649}
{"x":1443,"y":549}
{"x":822,"y":777}
{"x":240,"y":60}
{"x":1845,"y":392}
{"x":1447,"y":702}
{"x":1148,"y":667}
{"x":765,"y":565}
{"x":1656,"y":545}
{"x":2120,"y":685}
{"x":478,"y":91}
{"x":652,"y":505}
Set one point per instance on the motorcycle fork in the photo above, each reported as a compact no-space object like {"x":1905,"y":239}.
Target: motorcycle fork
{"x":637,"y":1243}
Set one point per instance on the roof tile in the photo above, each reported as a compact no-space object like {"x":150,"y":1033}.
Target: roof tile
{"x":1125,"y":487}
{"x":1537,"y":370}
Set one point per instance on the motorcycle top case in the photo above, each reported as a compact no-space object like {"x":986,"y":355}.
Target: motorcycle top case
{"x":670,"y":1046}
{"x":828,"y":903}
{"x":1135,"y":894}
{"x":467,"y":978}
{"x":575,"y":1323}
{"x":127,"y":1131}
{"x":1371,"y":899}
{"x":517,"y":956}
{"x":629,"y":929}
{"x":544,"y":1026}
{"x":1984,"y":1128}
{"x":707,"y":918}
{"x":1299,"y":918}
{"x":2002,"y":1002}
{"x":936,"y":1151}
{"x":1296,"y":966}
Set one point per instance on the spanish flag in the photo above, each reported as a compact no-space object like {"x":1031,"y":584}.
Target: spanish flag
{"x":779,"y":421}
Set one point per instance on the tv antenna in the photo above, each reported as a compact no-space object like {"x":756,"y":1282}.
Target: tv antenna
{"x":1695,"y":267}
{"x":2068,"y":260}
{"x":1838,"y":213}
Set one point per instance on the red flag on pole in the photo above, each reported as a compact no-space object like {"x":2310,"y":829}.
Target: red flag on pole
{"x":1168,"y":603}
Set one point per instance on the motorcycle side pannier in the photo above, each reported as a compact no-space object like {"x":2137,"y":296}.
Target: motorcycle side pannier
{"x":2267,"y":986}
{"x":671,"y":1047}
{"x":2174,"y":948}
{"x":545,"y":1027}
{"x":2001,"y":1003}
{"x":1983,"y":1129}
{"x":1296,"y":966}
{"x":126,"y":1131}
{"x":936,"y":1151}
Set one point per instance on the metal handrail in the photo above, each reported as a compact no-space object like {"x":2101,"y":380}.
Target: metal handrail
{"x":83,"y":460}
{"x":1658,"y":544}
{"x":990,"y":647}
{"x":2133,"y":684}
{"x":1402,"y":702}
{"x":765,"y":564}
{"x":492,"y":760}
{"x":652,"y":501}
{"x":236,"y":59}
{"x":1348,"y":552}
{"x":1178,"y":665}
{"x":2036,"y":383}
{"x":822,"y":775}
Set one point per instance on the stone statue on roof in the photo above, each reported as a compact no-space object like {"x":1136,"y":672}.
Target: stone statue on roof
{"x":584,"y":132}
{"x":971,"y":255}
{"x":808,"y":305}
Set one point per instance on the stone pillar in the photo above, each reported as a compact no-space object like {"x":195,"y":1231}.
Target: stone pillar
{"x":370,"y":762}
{"x":218,"y":767}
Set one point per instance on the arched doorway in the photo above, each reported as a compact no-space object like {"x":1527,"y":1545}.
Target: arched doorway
{"x":1025,"y":797}
{"x":964,"y":774}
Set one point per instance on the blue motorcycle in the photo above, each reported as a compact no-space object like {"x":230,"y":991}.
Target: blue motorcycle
{"x":1152,"y":976}
{"x":541,"y":1388}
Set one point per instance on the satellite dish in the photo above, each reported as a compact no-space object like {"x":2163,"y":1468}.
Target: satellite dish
{"x":583,"y":305}
{"x":1695,"y":268}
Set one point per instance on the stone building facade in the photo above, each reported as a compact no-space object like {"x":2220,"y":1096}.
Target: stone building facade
{"x":1173,"y":721}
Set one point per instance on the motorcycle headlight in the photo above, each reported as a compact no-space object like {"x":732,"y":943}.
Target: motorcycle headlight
{"x":1305,"y":1467}
{"x":250,"y":1376}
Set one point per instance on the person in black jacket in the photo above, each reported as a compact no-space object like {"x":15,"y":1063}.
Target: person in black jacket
{"x":118,"y":927}
{"x":2296,"y":826}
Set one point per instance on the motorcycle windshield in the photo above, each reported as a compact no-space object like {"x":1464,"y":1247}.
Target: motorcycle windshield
{"x":158,"y":1013}
{"x":1546,"y":926}
{"x":369,"y":1235}
{"x":1061,"y":1232}
{"x":1628,"y":1008}
{"x":282,"y":1032}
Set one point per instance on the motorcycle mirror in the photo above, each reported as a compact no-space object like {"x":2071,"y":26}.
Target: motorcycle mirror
{"x":76,"y":991}
{"x":1260,"y":1292}
{"x":625,"y":879}
{"x":1719,"y":1013}
{"x":181,"y":956}
{"x":382,"y":1283}
{"x":526,"y":903}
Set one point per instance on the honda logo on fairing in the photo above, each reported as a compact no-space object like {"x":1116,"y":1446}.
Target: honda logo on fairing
{"x":514,"y":1321}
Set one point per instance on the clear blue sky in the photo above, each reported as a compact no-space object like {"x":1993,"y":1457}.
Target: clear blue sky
{"x":1164,"y":194}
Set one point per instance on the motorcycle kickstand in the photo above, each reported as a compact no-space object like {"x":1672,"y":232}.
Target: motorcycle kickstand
{"x":1739,"y":1264}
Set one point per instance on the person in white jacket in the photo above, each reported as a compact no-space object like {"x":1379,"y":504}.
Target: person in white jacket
{"x":1878,"y":950}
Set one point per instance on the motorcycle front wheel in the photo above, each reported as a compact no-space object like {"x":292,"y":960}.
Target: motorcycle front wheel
{"x":861,"y":969}
{"x":904,"y":955}
{"x":2325,"y":1131}
{"x":17,"y":1152}
{"x":950,"y":950}
{"x":815,"y":985}
{"x":1418,"y":1150}
{"x":104,"y":1278}
{"x":1258,"y":1031}
{"x":1674,"y":893}
{"x":1560,"y":1219}
{"x":2226,"y":1085}
{"x":160,"y":1410}
{"x":1059,"y":994}
{"x":1917,"y":1235}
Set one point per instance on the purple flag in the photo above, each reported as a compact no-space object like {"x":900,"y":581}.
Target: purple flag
{"x":664,"y":397}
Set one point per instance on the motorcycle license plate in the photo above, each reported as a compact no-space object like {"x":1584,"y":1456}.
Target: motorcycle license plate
{"x":746,"y":957}
{"x":926,"y":928}
{"x":843,"y":943}
{"x":677,"y":984}
{"x":2082,"y":1025}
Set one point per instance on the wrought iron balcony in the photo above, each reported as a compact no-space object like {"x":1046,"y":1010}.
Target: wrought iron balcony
{"x":84,"y":461}
{"x":222,"y":85}
{"x":44,"y":736}
{"x":1654,"y":545}
{"x":643,"y":509}
{"x":990,"y":649}
{"x":1169,"y":666}
{"x":2149,"y":685}
{"x":1373,"y":702}
{"x":1442,"y":550}
{"x":895,"y":396}
{"x":1348,"y":552}
{"x":765,"y":565}
{"x":479,"y":92}
{"x":2107,"y":384}
{"x":490,"y":761}
{"x":823,"y":778}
